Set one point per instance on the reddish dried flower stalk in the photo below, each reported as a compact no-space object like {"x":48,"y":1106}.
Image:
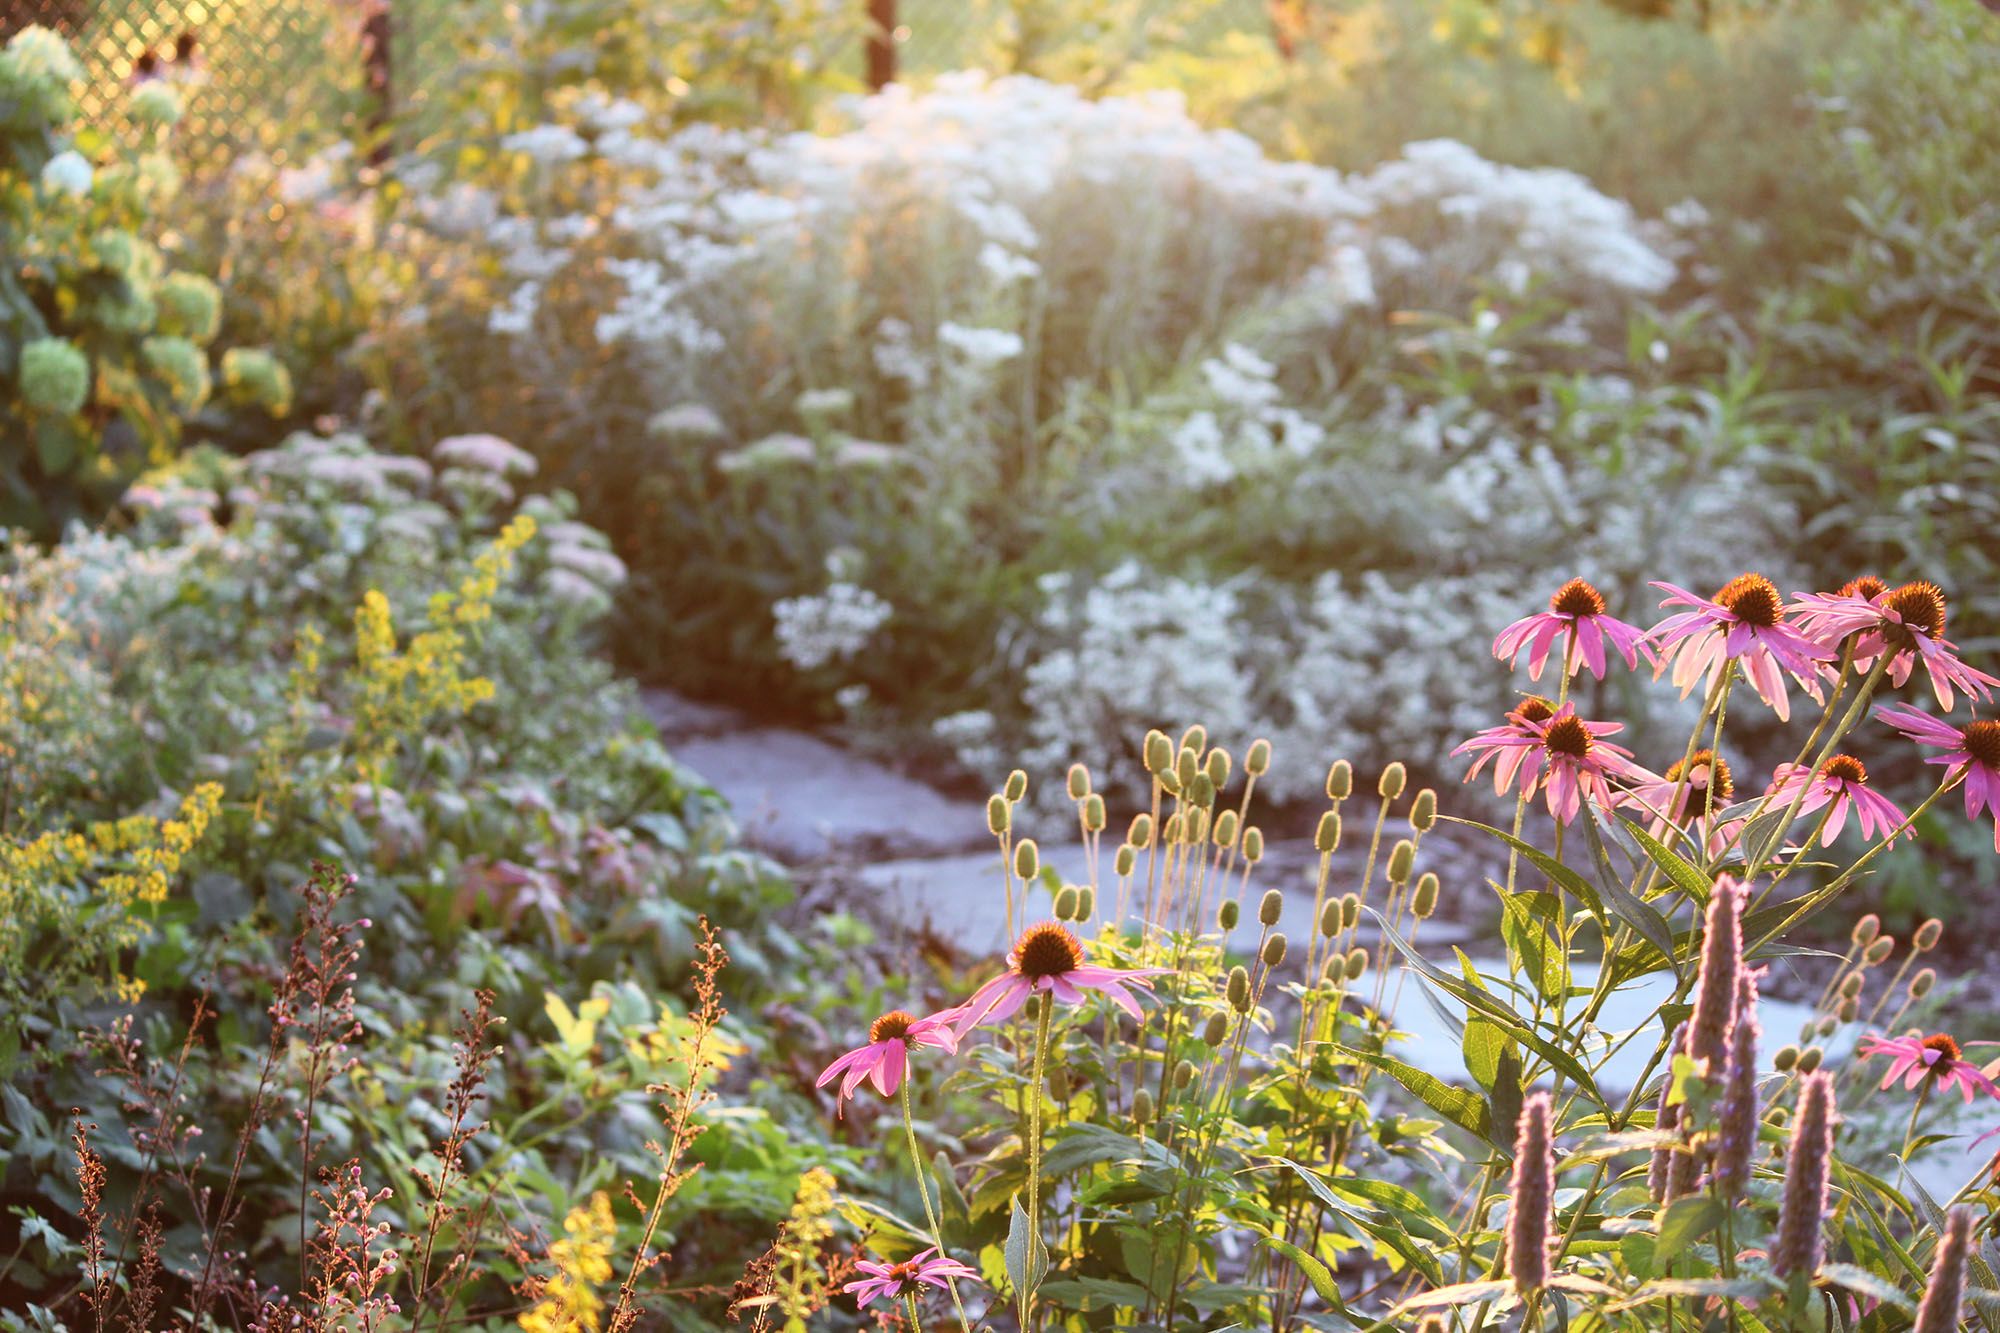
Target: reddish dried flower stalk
{"x":1737,"y":1140}
{"x":1944,"y":1294}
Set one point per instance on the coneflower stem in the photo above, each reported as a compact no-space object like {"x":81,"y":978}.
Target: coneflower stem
{"x":930,"y":1214}
{"x":1043,"y":1022}
{"x":916,"y":1324}
{"x":1910,"y":1134}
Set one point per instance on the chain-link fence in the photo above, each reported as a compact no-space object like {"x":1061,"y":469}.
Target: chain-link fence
{"x":273,"y":76}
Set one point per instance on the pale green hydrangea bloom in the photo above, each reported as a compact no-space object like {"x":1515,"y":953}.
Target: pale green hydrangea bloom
{"x":55,"y":376}
{"x":190,"y":306}
{"x":182,"y":366}
{"x":156,"y":104}
{"x":254,"y":375}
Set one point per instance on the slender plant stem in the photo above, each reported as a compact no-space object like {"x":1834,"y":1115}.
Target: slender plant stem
{"x":930,"y":1214}
{"x":1042,"y":1024}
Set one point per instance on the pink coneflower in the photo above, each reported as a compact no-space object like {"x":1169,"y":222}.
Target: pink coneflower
{"x":1575,"y":618}
{"x":1565,"y":754}
{"x":1973,"y":751}
{"x":1842,"y":782}
{"x":1934,"y":1057}
{"x":1907,"y":623}
{"x":1514,"y":743}
{"x":1048,"y":959}
{"x":886,"y":1057}
{"x":1681,"y":793}
{"x":1744,"y":623}
{"x":924,"y":1268}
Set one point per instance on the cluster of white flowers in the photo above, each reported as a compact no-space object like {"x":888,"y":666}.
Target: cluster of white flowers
{"x":817,"y":629}
{"x":1446,"y":212}
{"x":1241,"y":423}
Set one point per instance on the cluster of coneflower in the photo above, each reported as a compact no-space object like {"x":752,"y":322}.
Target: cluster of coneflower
{"x":1183,"y":871}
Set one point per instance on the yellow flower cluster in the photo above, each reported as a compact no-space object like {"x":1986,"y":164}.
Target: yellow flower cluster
{"x":801,"y":1288}
{"x":569,"y":1301}
{"x":399,"y":690}
{"x":47,"y":882}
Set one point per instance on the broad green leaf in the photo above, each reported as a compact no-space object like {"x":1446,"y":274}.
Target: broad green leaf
{"x":1460,"y":1107}
{"x":1859,"y":1279}
{"x":1628,"y":907}
{"x":1680,"y":872}
{"x":1687,"y":1221}
{"x":1316,"y":1272}
{"x":1027,"y":1257}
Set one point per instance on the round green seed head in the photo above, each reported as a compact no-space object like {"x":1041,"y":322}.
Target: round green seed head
{"x":1200,"y":792}
{"x":1326,"y":838}
{"x":1921,"y":984}
{"x":1329,"y":918}
{"x":1228,"y":914}
{"x":1253,"y":845}
{"x":1424,"y":810}
{"x":1340,"y":780}
{"x":1187,"y":767}
{"x":1171,"y":830}
{"x":1865,"y":930}
{"x":1079,"y":782}
{"x":1927,"y":935}
{"x":1424,"y":901}
{"x":1183,"y":1074}
{"x":1017,"y":785}
{"x":1786,"y":1059}
{"x":1357,"y":962}
{"x":1093,"y":813}
{"x":999,"y":815}
{"x":1274,"y":949}
{"x":1214,"y":1030}
{"x":1066,"y":903}
{"x":1850,"y":985}
{"x":1225,"y":829}
{"x":1159,"y":752}
{"x":1140,"y":832}
{"x":1195,"y":738}
{"x":1402,"y":859}
{"x":1031,"y":1009}
{"x":1124,"y":859}
{"x":1850,"y":1010}
{"x":1270,"y":907}
{"x":1810,"y":1058}
{"x":1257,"y":759}
{"x":1196,"y":825}
{"x":1218,"y":767}
{"x":1825,"y":1026}
{"x":1142,"y":1107}
{"x":1394,"y":778}
{"x":1027,"y":859}
{"x":1086,"y":902}
{"x":1880,"y":950}
{"x":1238,"y":990}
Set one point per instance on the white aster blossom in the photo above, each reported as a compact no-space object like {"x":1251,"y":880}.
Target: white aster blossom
{"x":834,"y":625}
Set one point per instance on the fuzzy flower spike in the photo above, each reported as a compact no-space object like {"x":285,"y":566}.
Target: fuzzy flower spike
{"x":1907,"y":623}
{"x":1048,"y":959}
{"x":1937,"y":1056}
{"x":885,"y":1059}
{"x":1577,"y":621}
{"x":1842,"y":783}
{"x":1972,"y":751}
{"x":1744,"y":623}
{"x":926,"y":1268}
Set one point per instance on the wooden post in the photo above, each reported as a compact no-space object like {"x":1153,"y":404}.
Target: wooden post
{"x":375,"y":34}
{"x":881,"y":44}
